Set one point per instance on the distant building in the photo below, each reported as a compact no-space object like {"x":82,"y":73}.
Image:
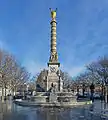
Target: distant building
{"x":41,"y":79}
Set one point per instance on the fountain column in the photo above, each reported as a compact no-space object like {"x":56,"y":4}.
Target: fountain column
{"x":53,"y":64}
{"x":53,"y":49}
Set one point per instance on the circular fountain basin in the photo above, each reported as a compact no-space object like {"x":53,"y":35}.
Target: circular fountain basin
{"x":39,"y":99}
{"x":50,"y":104}
{"x":63,"y":99}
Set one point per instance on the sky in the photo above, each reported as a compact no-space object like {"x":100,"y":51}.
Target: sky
{"x":82,"y":32}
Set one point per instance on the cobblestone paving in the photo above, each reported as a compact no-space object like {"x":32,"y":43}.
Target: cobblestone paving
{"x":97,"y":111}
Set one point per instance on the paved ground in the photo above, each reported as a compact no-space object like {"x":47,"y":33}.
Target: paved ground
{"x":10,"y":111}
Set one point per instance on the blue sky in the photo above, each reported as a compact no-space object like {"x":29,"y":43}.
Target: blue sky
{"x":82,"y":32}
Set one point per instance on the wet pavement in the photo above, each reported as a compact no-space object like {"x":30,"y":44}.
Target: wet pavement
{"x":97,"y":111}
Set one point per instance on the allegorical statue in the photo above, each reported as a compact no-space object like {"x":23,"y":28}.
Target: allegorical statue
{"x":54,"y":57}
{"x":53,"y":13}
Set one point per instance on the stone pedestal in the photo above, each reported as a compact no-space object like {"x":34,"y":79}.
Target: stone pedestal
{"x":39,"y":99}
{"x":53,"y":97}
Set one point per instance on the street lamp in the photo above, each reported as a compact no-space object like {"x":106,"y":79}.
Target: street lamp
{"x":61,"y":84}
{"x":92,"y":87}
{"x":27,"y":88}
{"x":24,"y":89}
{"x":105,"y":82}
{"x":1,"y":76}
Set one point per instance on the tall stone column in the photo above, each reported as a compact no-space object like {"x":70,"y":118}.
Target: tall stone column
{"x":53,"y":64}
{"x":53,"y":51}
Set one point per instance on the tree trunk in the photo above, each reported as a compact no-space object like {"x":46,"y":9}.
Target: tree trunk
{"x":5,"y":93}
{"x":15,"y":91}
{"x":78,"y":90}
{"x":83,"y":91}
{"x":102,"y":92}
{"x":2,"y":93}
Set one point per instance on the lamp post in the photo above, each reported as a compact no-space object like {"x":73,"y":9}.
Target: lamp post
{"x":102,"y":90}
{"x":27,"y":88}
{"x":106,"y":91}
{"x":105,"y":83}
{"x":24,"y":89}
{"x":1,"y":76}
{"x":92,"y":87}
{"x":83,"y":87}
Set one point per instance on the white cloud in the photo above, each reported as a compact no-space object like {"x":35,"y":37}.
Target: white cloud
{"x":75,"y":70}
{"x":105,"y":46}
{"x":33,"y":67}
{"x":3,"y":45}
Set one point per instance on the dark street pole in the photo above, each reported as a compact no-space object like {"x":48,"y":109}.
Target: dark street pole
{"x":2,"y":92}
{"x":106,"y":94}
{"x":92,"y":87}
{"x":106,"y":90}
{"x":2,"y":76}
{"x":83,"y":88}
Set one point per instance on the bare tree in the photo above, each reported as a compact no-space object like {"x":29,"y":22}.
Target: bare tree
{"x":32,"y":84}
{"x":100,"y":69}
{"x":12,"y":74}
{"x":67,"y":80}
{"x":19,"y":77}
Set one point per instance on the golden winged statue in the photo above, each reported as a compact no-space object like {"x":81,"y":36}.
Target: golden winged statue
{"x":53,"y":13}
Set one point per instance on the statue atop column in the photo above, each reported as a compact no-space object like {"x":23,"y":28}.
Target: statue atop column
{"x":53,"y":13}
